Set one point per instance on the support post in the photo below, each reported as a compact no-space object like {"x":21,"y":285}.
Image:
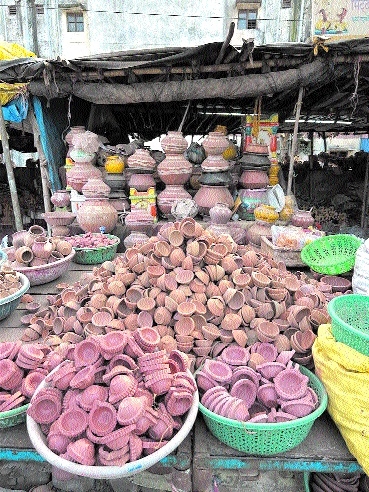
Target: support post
{"x":364,"y":209}
{"x":10,"y":173}
{"x":43,"y":162}
{"x":311,"y":164}
{"x":294,"y":139}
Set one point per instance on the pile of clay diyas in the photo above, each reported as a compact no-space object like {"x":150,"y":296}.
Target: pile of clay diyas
{"x":198,"y":291}
{"x":22,"y":368}
{"x":113,"y":403}
{"x":256,"y":385}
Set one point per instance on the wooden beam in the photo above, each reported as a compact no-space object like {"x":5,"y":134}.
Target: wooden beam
{"x":10,"y":173}
{"x":225,"y":44}
{"x":226,"y":67}
{"x":294,"y":139}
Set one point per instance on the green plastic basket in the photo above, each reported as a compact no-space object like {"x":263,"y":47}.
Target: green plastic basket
{"x":268,"y":438}
{"x":331,"y":255}
{"x":13,"y":417}
{"x":10,"y":303}
{"x":93,"y":256}
{"x":350,"y":321}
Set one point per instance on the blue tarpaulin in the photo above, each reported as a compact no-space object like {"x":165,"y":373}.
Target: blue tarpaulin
{"x":16,"y":110}
{"x":51,"y":141}
{"x":364,"y":144}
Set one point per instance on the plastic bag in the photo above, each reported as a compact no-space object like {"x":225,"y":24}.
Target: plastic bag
{"x":292,"y":237}
{"x":345,"y":375}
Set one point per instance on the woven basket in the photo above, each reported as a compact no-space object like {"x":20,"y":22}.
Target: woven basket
{"x":269,"y":438}
{"x":331,"y":255}
{"x":350,"y":321}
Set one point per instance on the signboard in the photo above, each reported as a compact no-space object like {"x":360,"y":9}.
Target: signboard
{"x":341,"y":19}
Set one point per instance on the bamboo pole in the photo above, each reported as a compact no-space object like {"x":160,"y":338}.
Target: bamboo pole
{"x":294,"y":139}
{"x":43,"y":164}
{"x":10,"y":173}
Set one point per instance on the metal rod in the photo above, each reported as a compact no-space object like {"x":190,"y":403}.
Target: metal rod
{"x":294,"y":139}
{"x":10,"y":173}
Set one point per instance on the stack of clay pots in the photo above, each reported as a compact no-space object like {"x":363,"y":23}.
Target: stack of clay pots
{"x":215,"y":177}
{"x":254,"y":179}
{"x":142,"y":195}
{"x":174,"y":171}
{"x":61,"y":217}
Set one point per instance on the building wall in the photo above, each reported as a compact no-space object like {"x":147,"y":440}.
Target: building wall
{"x":117,"y":25}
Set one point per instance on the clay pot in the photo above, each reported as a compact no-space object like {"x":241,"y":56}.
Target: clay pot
{"x":60,"y":198}
{"x":302,"y":218}
{"x":174,"y":143}
{"x":24,"y":255}
{"x":80,"y":173}
{"x":18,"y":238}
{"x":208,"y":196}
{"x":33,"y":232}
{"x":220,"y":213}
{"x":94,"y":213}
{"x":174,"y":170}
{"x":141,"y":182}
{"x":42,"y":247}
{"x":168,"y":197}
{"x":141,"y":159}
{"x":215,"y":143}
{"x":254,"y":178}
{"x":95,"y":188}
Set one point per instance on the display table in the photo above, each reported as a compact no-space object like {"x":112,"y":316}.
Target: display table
{"x":207,"y":458}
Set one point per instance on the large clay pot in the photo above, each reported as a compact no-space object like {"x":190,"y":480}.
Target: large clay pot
{"x":94,"y":213}
{"x":208,"y":196}
{"x":215,"y":143}
{"x":141,"y":182}
{"x":141,"y":159}
{"x":169,"y":196}
{"x":96,"y":188}
{"x":174,"y":170}
{"x":80,"y":173}
{"x":215,"y":163}
{"x":60,"y":198}
{"x":174,"y":143}
{"x":252,"y":179}
{"x":18,"y":238}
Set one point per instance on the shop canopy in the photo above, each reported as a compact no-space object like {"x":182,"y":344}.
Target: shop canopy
{"x":215,"y":82}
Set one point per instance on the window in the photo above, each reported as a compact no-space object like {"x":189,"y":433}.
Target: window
{"x":75,"y":22}
{"x":39,"y":9}
{"x":286,"y":4}
{"x":247,"y":19}
{"x":12,"y":9}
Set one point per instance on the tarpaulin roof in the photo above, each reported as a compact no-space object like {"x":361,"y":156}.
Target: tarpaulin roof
{"x":220,"y":81}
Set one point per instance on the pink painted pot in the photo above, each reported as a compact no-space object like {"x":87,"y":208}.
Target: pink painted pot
{"x":208,"y":196}
{"x":94,"y":213}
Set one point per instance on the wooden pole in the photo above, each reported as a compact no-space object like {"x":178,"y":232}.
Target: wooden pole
{"x":10,"y":173}
{"x":311,"y":164}
{"x":43,"y":164}
{"x":364,"y":209}
{"x":294,"y":139}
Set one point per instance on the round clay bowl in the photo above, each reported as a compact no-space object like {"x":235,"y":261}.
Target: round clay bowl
{"x":235,"y":355}
{"x":102,"y":418}
{"x":267,"y":395}
{"x":291,"y":384}
{"x":218,"y":370}
{"x":246,"y":390}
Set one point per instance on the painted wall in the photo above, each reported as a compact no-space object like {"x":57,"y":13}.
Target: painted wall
{"x":117,"y":25}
